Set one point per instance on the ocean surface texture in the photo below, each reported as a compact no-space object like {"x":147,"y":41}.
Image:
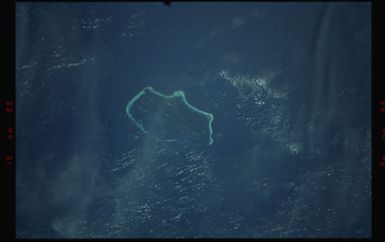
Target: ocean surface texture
{"x":193,"y":120}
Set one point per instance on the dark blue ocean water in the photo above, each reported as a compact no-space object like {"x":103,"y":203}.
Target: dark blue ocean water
{"x":288,"y":85}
